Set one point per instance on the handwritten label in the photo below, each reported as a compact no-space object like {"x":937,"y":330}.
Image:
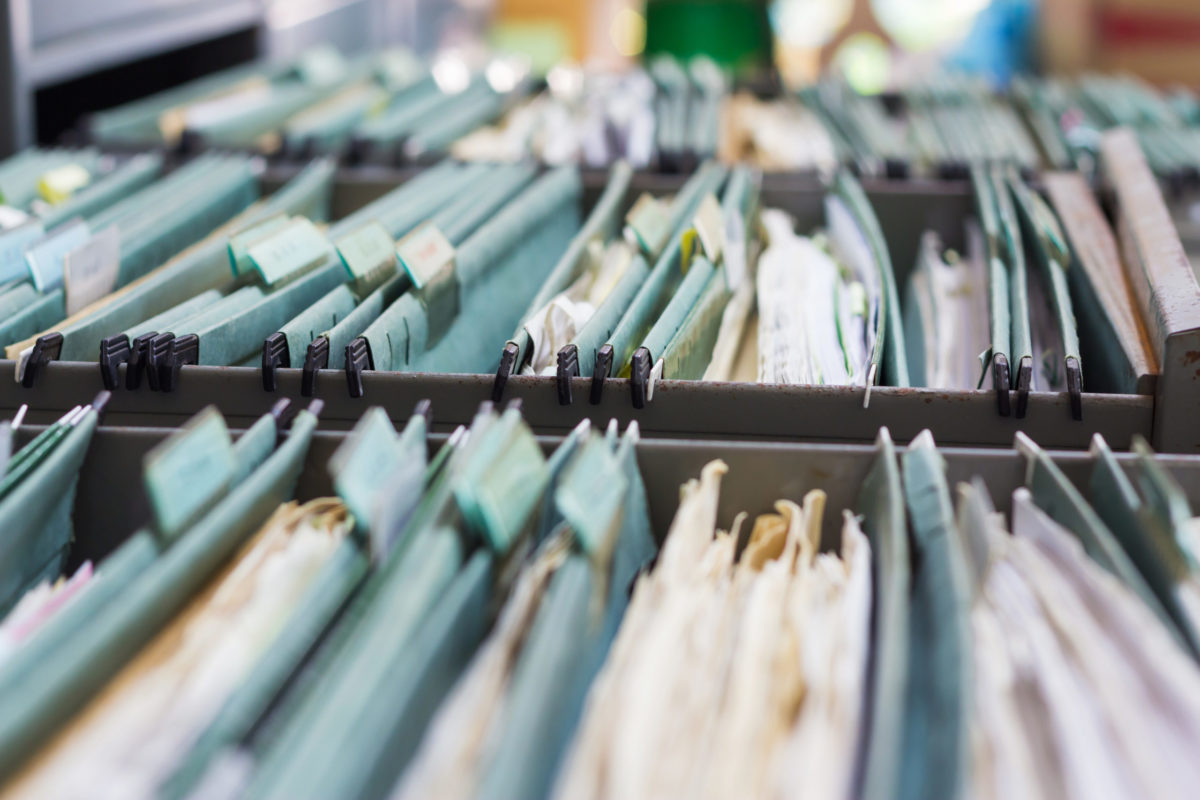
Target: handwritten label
{"x":185,"y":474}
{"x":289,"y":251}
{"x":426,"y":254}
{"x":368,"y":251}
{"x":91,"y":271}
{"x":45,"y":257}
{"x":239,"y":243}
{"x":650,"y":224}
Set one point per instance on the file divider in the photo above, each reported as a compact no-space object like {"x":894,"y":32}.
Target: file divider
{"x":1164,"y":284}
{"x":681,"y":409}
{"x":110,"y":502}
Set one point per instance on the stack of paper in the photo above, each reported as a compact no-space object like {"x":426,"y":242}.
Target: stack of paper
{"x":734,"y":675}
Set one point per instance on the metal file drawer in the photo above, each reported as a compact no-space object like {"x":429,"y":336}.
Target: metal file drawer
{"x":679,"y":408}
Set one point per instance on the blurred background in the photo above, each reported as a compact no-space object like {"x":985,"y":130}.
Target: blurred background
{"x":62,"y":57}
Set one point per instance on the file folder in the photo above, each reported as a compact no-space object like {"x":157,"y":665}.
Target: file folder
{"x":614,"y":355}
{"x":1152,"y":540}
{"x":1040,"y":227}
{"x":455,"y":221}
{"x":600,"y":226}
{"x":881,"y":504}
{"x":37,"y":494}
{"x":1121,"y":357}
{"x":936,"y":705}
{"x":128,"y":621}
{"x":452,"y":323}
{"x":706,"y":283}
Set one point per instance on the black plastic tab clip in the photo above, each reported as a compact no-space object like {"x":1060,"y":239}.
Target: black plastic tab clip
{"x":139,"y":359}
{"x":316,"y":358}
{"x":1002,"y":381}
{"x":114,"y":351}
{"x":508,"y":363}
{"x":1024,"y":382}
{"x":283,"y":411}
{"x":1075,"y":387}
{"x":158,"y":351}
{"x":47,"y":348}
{"x":275,"y":355}
{"x":568,"y":369}
{"x":604,"y":359}
{"x":639,"y":374}
{"x":167,"y":355}
{"x":358,"y":359}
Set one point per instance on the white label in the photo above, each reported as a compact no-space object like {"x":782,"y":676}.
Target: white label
{"x":656,"y":373}
{"x":425,"y":253}
{"x":710,"y":227}
{"x":12,"y":218}
{"x":90,"y":272}
{"x":735,"y":251}
{"x":45,"y":258}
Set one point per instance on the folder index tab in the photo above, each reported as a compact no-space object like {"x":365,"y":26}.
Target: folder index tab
{"x":426,"y":255}
{"x":649,"y":224}
{"x":187,"y":472}
{"x":239,"y":243}
{"x":45,"y":258}
{"x":368,"y":253}
{"x":289,"y":251}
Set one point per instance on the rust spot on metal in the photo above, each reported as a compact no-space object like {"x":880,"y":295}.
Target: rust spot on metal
{"x":1191,"y":357}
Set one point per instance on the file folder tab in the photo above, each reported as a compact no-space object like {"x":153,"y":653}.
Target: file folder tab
{"x":589,"y":496}
{"x":291,"y":250}
{"x":239,"y":243}
{"x":502,"y":484}
{"x":187,"y":472}
{"x":368,"y":253}
{"x":426,"y":255}
{"x":649,"y":224}
{"x":363,"y":462}
{"x":91,"y":271}
{"x":45,"y":258}
{"x":13,"y":244}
